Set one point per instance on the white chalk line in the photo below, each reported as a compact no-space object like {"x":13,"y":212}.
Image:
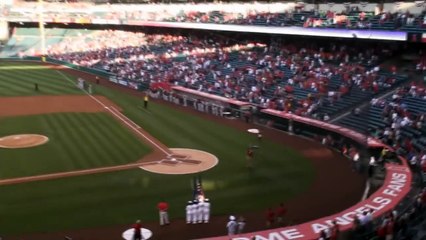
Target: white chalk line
{"x":67,"y":174}
{"x":115,"y":114}
{"x":124,"y":116}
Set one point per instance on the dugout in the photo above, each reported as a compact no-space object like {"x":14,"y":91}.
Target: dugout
{"x":206,"y":102}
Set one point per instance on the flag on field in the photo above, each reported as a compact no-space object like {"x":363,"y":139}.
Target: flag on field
{"x":198,"y":192}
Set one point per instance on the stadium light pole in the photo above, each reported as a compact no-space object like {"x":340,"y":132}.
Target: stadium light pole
{"x":41,"y":27}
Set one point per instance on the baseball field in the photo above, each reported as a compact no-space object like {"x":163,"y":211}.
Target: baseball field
{"x":109,"y":129}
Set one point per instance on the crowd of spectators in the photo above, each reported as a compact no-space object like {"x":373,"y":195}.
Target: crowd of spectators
{"x":397,"y":115}
{"x":393,"y":225}
{"x":268,"y":75}
{"x":350,"y":17}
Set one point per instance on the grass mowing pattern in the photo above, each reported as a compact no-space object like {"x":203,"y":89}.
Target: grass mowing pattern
{"x":76,"y":141}
{"x":17,"y":79}
{"x":122,"y":197}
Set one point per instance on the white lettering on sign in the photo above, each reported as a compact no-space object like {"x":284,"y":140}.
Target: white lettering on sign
{"x":361,"y":210}
{"x":283,"y":235}
{"x":318,"y":227}
{"x":397,"y":182}
{"x":392,"y":188}
{"x":292,"y":234}
{"x":389,"y":192}
{"x":382,"y":200}
{"x":348,"y":216}
{"x":339,"y":220}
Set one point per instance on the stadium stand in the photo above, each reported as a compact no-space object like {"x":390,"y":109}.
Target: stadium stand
{"x":319,"y":81}
{"x":284,"y":76}
{"x":356,"y":16}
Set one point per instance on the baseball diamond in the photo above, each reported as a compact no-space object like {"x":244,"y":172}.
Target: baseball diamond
{"x":167,"y":130}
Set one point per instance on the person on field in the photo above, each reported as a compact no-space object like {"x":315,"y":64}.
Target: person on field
{"x":189,"y":212}
{"x":163,"y":208}
{"x":249,"y":157}
{"x":137,"y":235}
{"x":206,"y":210}
{"x":145,"y":100}
{"x":36,"y":87}
{"x":281,"y":211}
{"x":241,"y":224}
{"x":232,"y":226}
{"x":270,"y":218}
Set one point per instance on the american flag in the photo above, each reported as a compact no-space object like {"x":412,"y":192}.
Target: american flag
{"x":198,"y":191}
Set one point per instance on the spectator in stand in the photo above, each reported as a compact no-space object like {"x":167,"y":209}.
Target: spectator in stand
{"x":423,"y":163}
{"x":206,"y":66}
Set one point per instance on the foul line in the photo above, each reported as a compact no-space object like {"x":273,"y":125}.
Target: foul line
{"x":124,"y":116}
{"x":68,"y":174}
{"x":115,"y":114}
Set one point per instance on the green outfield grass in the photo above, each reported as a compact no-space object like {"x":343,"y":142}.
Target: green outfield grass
{"x":121,"y":197}
{"x":76,"y":141}
{"x":17,"y":79}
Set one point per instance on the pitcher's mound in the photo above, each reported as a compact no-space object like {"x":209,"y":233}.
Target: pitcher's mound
{"x":22,"y":141}
{"x":182,"y":161}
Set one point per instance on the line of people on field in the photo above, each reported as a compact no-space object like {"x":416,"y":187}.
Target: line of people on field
{"x":198,"y":211}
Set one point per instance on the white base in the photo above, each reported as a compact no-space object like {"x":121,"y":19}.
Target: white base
{"x":128,"y":234}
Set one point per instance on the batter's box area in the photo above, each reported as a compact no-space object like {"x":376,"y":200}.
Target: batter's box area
{"x":182,"y":161}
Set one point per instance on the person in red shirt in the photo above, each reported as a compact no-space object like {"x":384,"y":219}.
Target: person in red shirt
{"x":281,"y":211}
{"x":270,"y":217}
{"x":163,"y":207}
{"x":137,"y":235}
